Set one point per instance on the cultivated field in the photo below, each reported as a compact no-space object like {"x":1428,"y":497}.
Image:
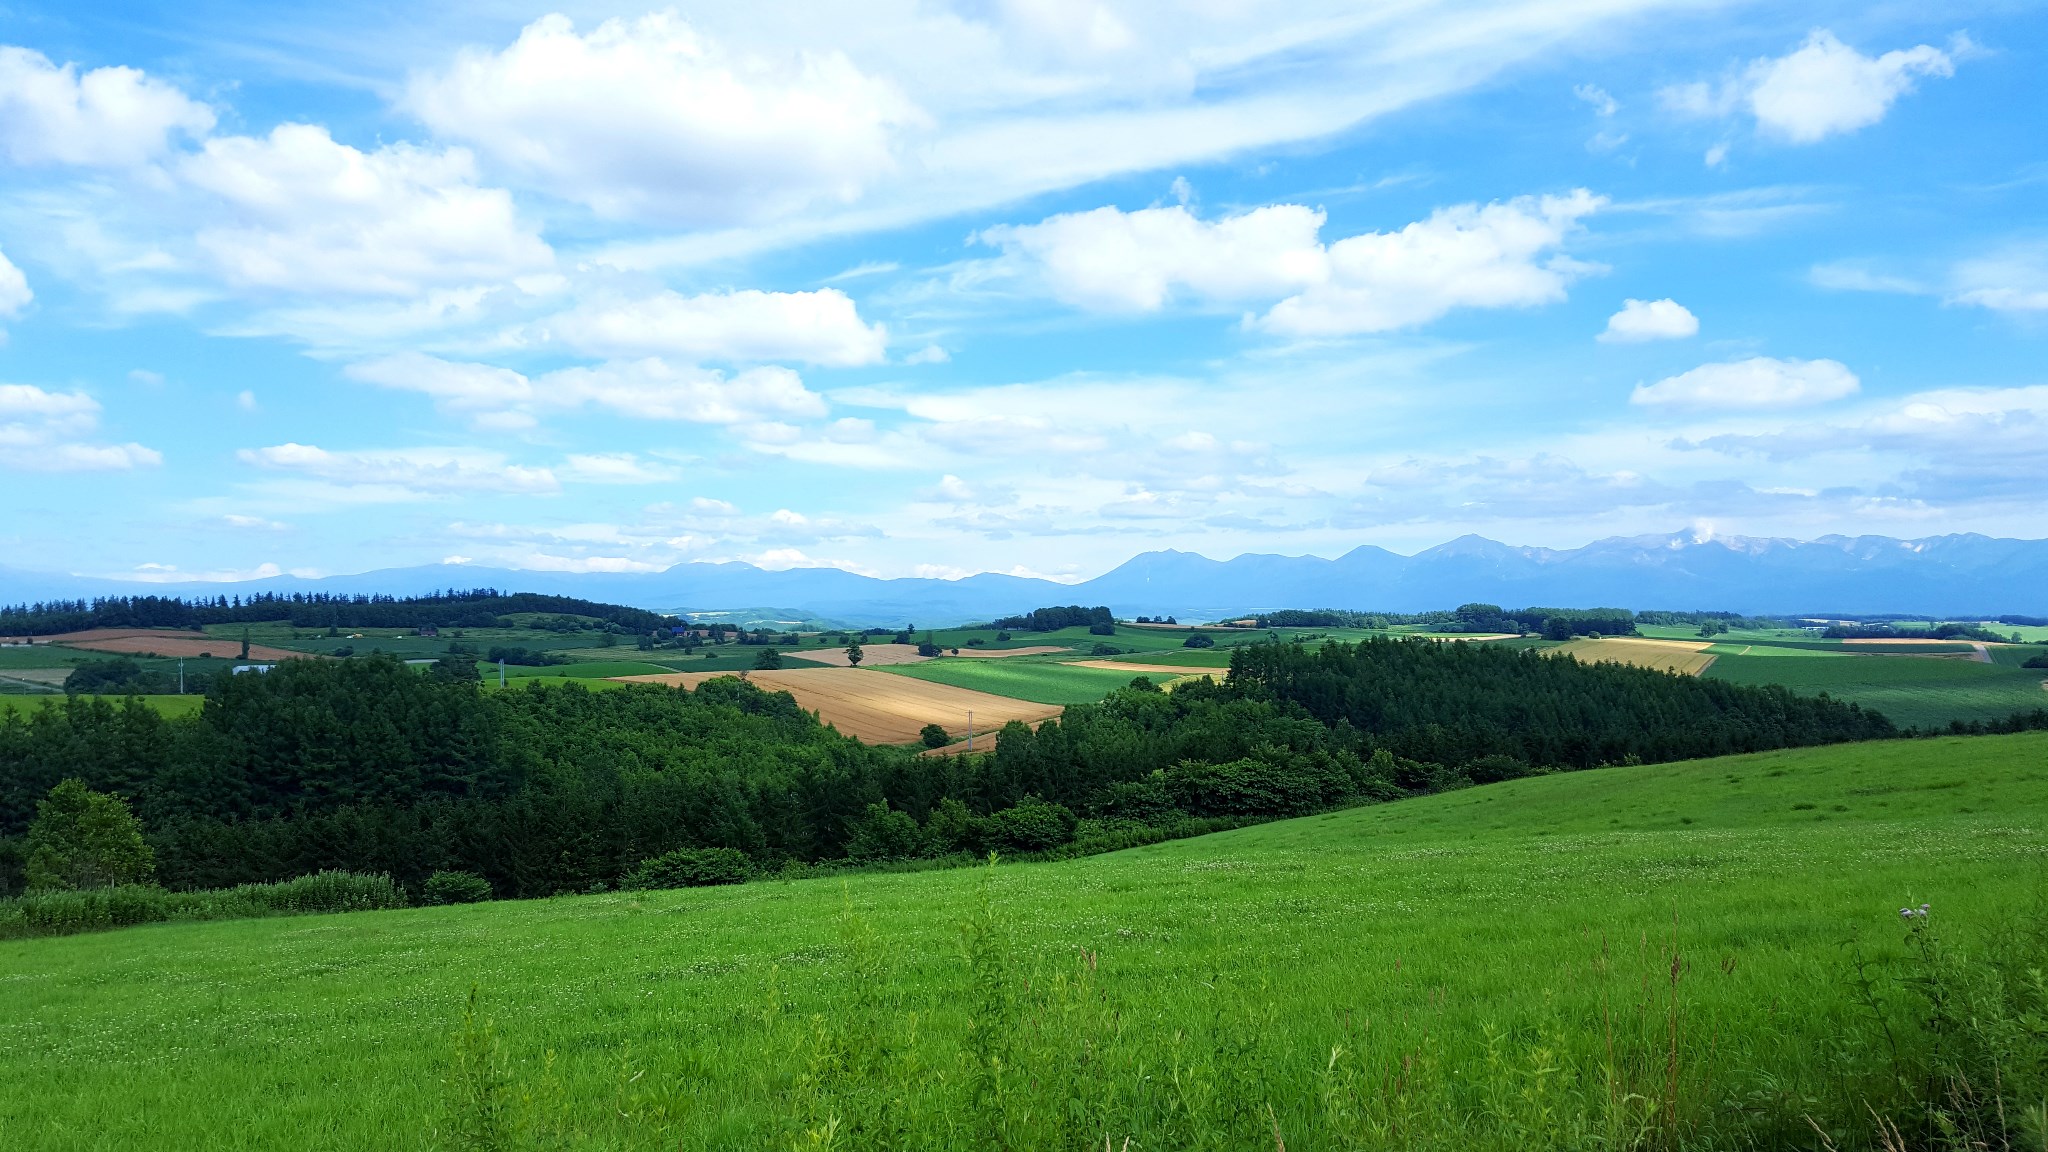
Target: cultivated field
{"x":1146,"y":669}
{"x":167,"y":642}
{"x":878,"y":707}
{"x":1912,"y":691}
{"x":1650,"y":957}
{"x":1041,"y":681}
{"x":167,"y":705}
{"x":1689,"y":657}
{"x":1027,"y":650}
{"x":871,"y":655}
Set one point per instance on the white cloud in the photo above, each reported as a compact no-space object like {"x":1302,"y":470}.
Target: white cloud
{"x":929,"y":354}
{"x":404,"y":473}
{"x":1824,"y":88}
{"x":1641,"y":320}
{"x":309,"y":214}
{"x":1468,"y":255}
{"x":2013,"y":281}
{"x":1603,"y":104}
{"x":108,"y":117}
{"x":1759,"y":382}
{"x":650,"y":389}
{"x":1136,"y":261}
{"x":650,"y":118}
{"x":617,"y":468}
{"x":14,"y":293}
{"x":245,"y":400}
{"x":253,"y":523}
{"x":821,"y":327}
{"x":41,"y":432}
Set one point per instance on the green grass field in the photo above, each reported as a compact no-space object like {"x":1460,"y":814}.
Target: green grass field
{"x":1613,"y":958}
{"x":1019,"y":678}
{"x":1912,"y":691}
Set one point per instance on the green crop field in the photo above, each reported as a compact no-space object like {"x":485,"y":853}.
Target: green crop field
{"x":1629,"y":957}
{"x":167,"y":705}
{"x":1912,"y":691}
{"x":1019,"y":678}
{"x":588,"y":670}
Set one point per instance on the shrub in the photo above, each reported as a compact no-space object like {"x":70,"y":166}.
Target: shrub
{"x":927,"y":648}
{"x":934,"y":736}
{"x":885,"y":834}
{"x":949,"y":828}
{"x":1102,"y":629}
{"x":1001,"y":636}
{"x":1031,"y":825}
{"x":1198,"y":640}
{"x":1107,"y":650}
{"x":1496,"y":768}
{"x":690,"y":868}
{"x":1147,"y":799}
{"x":451,"y":887}
{"x":1273,"y":783}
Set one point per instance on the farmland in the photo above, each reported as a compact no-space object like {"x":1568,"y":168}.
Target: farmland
{"x":1913,"y":691}
{"x":1688,"y":658}
{"x":880,"y":708}
{"x":1664,"y":957}
{"x":1040,"y":681}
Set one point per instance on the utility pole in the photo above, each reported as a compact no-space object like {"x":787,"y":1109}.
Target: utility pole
{"x":970,"y":729}
{"x":181,"y":675}
{"x":501,"y":672}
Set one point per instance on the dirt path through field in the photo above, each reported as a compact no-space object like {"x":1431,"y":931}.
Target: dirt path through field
{"x":876,"y":706}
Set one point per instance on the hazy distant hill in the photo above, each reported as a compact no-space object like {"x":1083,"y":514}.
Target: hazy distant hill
{"x":1956,"y":574}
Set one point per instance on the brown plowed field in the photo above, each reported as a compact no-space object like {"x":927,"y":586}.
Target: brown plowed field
{"x":876,"y":706}
{"x":165,"y":642}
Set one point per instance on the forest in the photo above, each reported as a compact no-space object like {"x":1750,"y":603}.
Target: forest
{"x":1054,"y":619}
{"x":476,"y":608}
{"x":371,"y":766}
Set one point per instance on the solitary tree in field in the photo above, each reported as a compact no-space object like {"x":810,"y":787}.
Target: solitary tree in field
{"x":934,"y":736}
{"x":86,"y":839}
{"x":245,"y":643}
{"x":769,"y":660}
{"x":854,"y":654}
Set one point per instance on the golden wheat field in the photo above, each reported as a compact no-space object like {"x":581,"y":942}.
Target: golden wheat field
{"x":1686,"y":656}
{"x":876,"y":706}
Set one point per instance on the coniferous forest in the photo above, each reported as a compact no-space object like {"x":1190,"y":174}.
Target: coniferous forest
{"x":371,"y":766}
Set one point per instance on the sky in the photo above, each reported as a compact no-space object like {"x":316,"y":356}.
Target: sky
{"x":919,"y":287}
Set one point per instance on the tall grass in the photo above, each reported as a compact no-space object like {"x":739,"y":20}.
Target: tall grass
{"x":93,"y":909}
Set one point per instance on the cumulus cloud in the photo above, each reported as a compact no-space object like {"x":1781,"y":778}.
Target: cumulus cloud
{"x":1641,"y":320}
{"x":650,"y":388}
{"x":649,"y":118}
{"x":309,"y":214}
{"x":44,"y":431}
{"x":107,"y":117}
{"x":1824,"y":88}
{"x":404,"y":473}
{"x":1469,"y":255}
{"x":821,"y":327}
{"x":14,"y":292}
{"x":1136,"y":261}
{"x":1759,"y":382}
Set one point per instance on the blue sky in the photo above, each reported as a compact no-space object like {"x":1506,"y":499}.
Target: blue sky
{"x":1009,"y":285}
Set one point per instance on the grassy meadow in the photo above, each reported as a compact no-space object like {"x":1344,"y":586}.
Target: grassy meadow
{"x":1646,"y":957}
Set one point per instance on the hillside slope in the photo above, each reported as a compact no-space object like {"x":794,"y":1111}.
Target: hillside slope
{"x":1474,"y":969}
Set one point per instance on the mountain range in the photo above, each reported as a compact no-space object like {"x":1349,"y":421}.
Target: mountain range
{"x":1955,"y":575}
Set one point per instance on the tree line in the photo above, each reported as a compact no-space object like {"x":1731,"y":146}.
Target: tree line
{"x":475,"y":608}
{"x":370,"y":766}
{"x":1055,"y":618}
